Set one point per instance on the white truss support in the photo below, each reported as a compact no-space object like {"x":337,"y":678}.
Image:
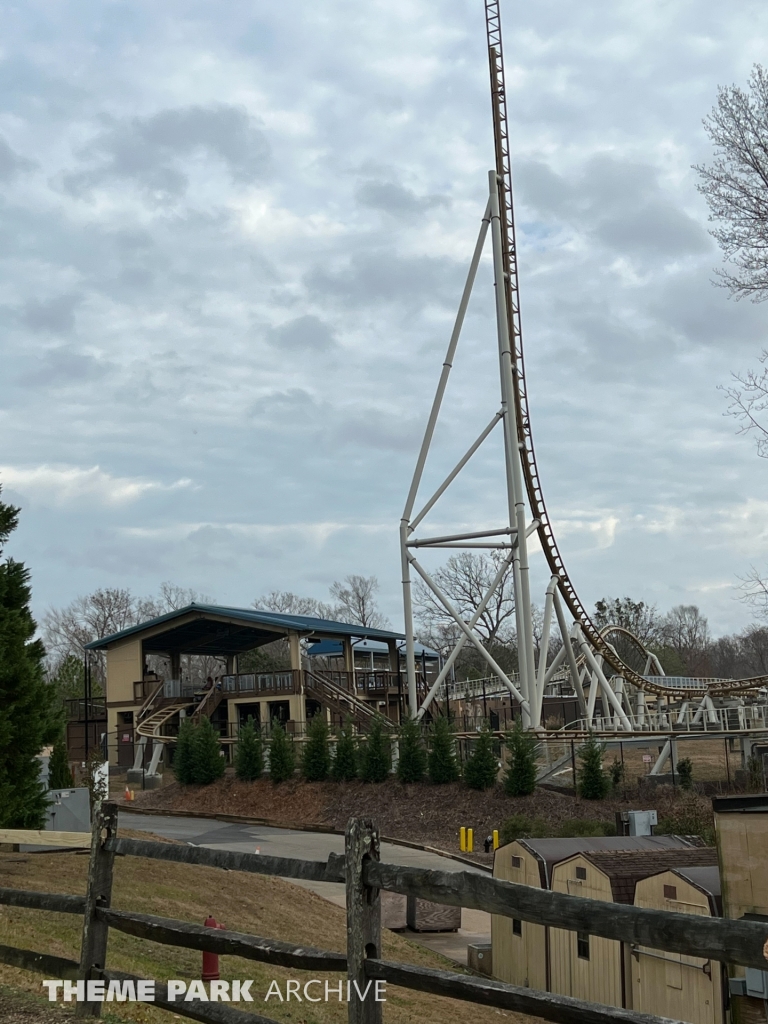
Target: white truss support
{"x":138,"y":758}
{"x":640,"y":709}
{"x":157,"y":753}
{"x":515,"y":491}
{"x":712,"y":710}
{"x":538,"y":701}
{"x":434,"y":690}
{"x":657,"y":665}
{"x":569,"y":652}
{"x":557,"y":661}
{"x":604,"y":685}
{"x":405,"y":527}
{"x":474,"y":640}
{"x":681,"y":713}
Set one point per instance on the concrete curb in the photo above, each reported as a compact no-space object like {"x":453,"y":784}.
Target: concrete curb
{"x":241,"y":819}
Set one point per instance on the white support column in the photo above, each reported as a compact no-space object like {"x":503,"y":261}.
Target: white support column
{"x":538,"y":700}
{"x":568,"y":647}
{"x":604,"y":684}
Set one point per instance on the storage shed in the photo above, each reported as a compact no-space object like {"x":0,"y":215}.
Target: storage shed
{"x":686,"y":988}
{"x":520,"y":948}
{"x":589,"y":967}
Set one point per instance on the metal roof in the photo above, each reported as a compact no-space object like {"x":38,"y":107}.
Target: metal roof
{"x":223,"y":630}
{"x":625,"y":868}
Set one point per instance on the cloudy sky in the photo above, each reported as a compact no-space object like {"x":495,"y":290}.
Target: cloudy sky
{"x":233,"y":240}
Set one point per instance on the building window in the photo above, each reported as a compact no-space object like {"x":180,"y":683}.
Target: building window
{"x":581,"y":873}
{"x":517,"y":926}
{"x":517,"y":862}
{"x":670,"y":892}
{"x":582,"y":945}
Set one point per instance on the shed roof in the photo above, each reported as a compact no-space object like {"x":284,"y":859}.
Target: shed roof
{"x":708,"y":880}
{"x":625,"y":868}
{"x":549,"y":852}
{"x":218,"y":629}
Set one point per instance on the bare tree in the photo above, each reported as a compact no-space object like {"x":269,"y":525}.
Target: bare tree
{"x":356,"y":601}
{"x":686,"y":631}
{"x":641,"y":619}
{"x":464,"y":579}
{"x":735,"y":185}
{"x":287,"y":603}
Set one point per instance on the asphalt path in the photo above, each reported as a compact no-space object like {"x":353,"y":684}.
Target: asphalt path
{"x":284,"y":842}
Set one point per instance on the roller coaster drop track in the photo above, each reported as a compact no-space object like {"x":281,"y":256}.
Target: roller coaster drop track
{"x":583,"y":642}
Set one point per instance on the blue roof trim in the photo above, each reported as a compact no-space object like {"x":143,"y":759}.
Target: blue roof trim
{"x":299,"y":623}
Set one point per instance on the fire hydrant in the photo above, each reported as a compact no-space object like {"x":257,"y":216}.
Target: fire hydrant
{"x":211,"y":960}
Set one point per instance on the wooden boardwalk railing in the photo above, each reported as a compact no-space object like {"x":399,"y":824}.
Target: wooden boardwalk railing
{"x":736,"y":942}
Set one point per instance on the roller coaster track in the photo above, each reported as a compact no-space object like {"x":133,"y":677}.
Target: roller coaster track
{"x":525,"y":436}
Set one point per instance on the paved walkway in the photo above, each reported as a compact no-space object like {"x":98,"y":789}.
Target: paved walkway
{"x":284,"y":842}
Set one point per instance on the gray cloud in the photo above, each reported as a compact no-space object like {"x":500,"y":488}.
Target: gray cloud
{"x":56,"y":315}
{"x":304,"y":333}
{"x":11,"y":163}
{"x":147,"y":150}
{"x":396,"y":200}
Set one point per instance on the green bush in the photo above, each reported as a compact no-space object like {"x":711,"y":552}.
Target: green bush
{"x":522,"y":826}
{"x":593,"y":782}
{"x":578,"y":827}
{"x":412,"y":762}
{"x":685,"y":773}
{"x":182,"y":757}
{"x":249,"y":757}
{"x":692,"y":817}
{"x":344,"y":767}
{"x":316,"y":758}
{"x":520,"y":777}
{"x":282,"y":758}
{"x":441,"y":763}
{"x":482,"y":766}
{"x":207,"y":762}
{"x":59,"y":775}
{"x":376,"y":758}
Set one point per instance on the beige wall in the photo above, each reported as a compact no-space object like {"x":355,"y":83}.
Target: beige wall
{"x":124,"y":667}
{"x":669,"y":984}
{"x":742,"y":841}
{"x":597,"y":979}
{"x":518,"y":959}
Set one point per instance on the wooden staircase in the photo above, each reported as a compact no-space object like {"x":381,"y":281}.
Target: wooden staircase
{"x":344,"y":703}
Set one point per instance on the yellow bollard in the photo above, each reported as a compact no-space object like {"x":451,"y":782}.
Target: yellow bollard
{"x":495,"y":839}
{"x":463,"y":839}
{"x":470,"y":840}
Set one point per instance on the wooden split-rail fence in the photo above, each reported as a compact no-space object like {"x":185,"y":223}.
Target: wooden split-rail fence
{"x":360,"y":869}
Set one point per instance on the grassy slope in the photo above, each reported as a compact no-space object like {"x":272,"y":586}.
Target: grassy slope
{"x":256,"y":904}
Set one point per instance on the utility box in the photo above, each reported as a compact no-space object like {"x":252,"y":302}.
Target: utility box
{"x":479,"y":958}
{"x":69,"y":810}
{"x":636,"y":823}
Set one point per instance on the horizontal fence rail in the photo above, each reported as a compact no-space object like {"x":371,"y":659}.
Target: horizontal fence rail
{"x":736,"y":942}
{"x":54,"y":902}
{"x":220,"y":940}
{"x":331,"y":870}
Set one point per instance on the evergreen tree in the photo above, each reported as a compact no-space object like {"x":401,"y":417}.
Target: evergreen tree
{"x":344,"y":768}
{"x":207,"y":762}
{"x":376,"y":755}
{"x":183,"y":767}
{"x":249,"y":759}
{"x":616,"y":773}
{"x":27,"y":718}
{"x":593,"y":784}
{"x":685,"y":772}
{"x":520,"y":777}
{"x":441,"y":764}
{"x":316,"y":757}
{"x":412,"y":762}
{"x":59,"y":775}
{"x":282,"y":759}
{"x":482,"y":766}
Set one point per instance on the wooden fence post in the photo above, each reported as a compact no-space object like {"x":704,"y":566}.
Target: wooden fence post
{"x":93,"y":952}
{"x":361,"y":843}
